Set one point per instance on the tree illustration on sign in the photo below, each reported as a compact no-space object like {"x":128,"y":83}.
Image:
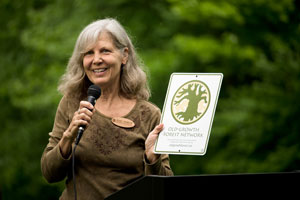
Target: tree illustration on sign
{"x":194,"y":94}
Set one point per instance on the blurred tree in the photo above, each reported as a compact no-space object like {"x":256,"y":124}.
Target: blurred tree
{"x":25,"y":91}
{"x":255,"y":44}
{"x":37,"y":38}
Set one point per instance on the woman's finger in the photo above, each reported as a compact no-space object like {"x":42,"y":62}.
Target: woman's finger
{"x":158,"y":129}
{"x":84,"y":116}
{"x":85,"y":111}
{"x":86,"y":104}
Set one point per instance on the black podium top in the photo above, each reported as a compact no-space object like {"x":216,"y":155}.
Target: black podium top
{"x":231,"y":186}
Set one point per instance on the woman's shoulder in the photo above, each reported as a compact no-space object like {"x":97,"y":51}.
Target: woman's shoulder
{"x":148,"y":106}
{"x":69,"y":98}
{"x":68,"y":102}
{"x":149,"y":114}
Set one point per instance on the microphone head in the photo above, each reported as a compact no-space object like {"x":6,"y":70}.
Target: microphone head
{"x":94,"y":91}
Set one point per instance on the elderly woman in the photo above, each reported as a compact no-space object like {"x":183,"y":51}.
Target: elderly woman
{"x":110,"y":155}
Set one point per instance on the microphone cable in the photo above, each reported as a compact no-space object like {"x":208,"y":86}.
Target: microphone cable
{"x":80,"y":132}
{"x":93,"y":94}
{"x":73,"y":171}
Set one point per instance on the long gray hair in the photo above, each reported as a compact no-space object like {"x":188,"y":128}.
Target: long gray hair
{"x":133,"y":81}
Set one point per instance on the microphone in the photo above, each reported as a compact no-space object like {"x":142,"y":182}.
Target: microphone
{"x":93,"y":93}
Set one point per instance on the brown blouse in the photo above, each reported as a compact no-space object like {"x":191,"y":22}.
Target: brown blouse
{"x":108,"y":157}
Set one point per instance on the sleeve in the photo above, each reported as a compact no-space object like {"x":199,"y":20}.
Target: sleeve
{"x":162,"y":165}
{"x":54,"y":167}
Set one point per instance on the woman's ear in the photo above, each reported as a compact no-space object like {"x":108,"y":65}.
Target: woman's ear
{"x":125,"y":55}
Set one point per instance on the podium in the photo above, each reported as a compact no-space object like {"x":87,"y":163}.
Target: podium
{"x":229,"y":186}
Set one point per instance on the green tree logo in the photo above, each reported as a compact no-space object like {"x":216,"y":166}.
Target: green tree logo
{"x":190,"y":102}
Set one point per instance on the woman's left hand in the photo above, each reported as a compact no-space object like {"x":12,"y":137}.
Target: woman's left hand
{"x":150,"y":142}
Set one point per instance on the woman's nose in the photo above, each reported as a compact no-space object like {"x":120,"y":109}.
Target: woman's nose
{"x":97,"y":59}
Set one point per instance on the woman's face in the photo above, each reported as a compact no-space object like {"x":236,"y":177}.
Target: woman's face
{"x":102,"y":62}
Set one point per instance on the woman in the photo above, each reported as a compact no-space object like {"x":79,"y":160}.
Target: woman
{"x":110,"y":155}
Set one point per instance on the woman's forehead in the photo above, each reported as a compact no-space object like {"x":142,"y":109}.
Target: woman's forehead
{"x":103,"y":37}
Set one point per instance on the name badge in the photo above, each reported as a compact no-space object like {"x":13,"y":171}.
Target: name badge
{"x":122,"y":122}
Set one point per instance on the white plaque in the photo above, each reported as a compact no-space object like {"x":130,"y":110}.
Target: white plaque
{"x":188,"y":113}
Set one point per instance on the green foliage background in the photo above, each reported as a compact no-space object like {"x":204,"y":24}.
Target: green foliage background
{"x":254,"y":43}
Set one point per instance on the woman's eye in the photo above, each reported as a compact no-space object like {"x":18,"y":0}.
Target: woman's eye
{"x":89,"y":52}
{"x":105,"y":51}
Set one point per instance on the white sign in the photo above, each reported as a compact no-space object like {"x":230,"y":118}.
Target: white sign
{"x":188,"y":113}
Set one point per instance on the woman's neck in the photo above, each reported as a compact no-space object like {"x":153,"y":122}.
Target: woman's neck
{"x":109,"y":95}
{"x":112,"y":104}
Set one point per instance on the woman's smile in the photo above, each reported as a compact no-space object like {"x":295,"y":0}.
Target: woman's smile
{"x":100,"y":71}
{"x":102,"y":63}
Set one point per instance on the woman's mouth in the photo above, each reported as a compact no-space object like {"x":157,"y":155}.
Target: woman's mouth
{"x":99,"y":71}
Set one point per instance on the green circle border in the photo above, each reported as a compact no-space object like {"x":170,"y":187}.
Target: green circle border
{"x":177,"y":92}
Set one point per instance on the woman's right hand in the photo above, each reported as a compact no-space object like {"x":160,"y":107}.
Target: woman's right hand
{"x":81,"y":117}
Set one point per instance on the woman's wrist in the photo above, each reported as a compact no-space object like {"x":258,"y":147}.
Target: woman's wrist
{"x":65,"y":144}
{"x":151,"y":157}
